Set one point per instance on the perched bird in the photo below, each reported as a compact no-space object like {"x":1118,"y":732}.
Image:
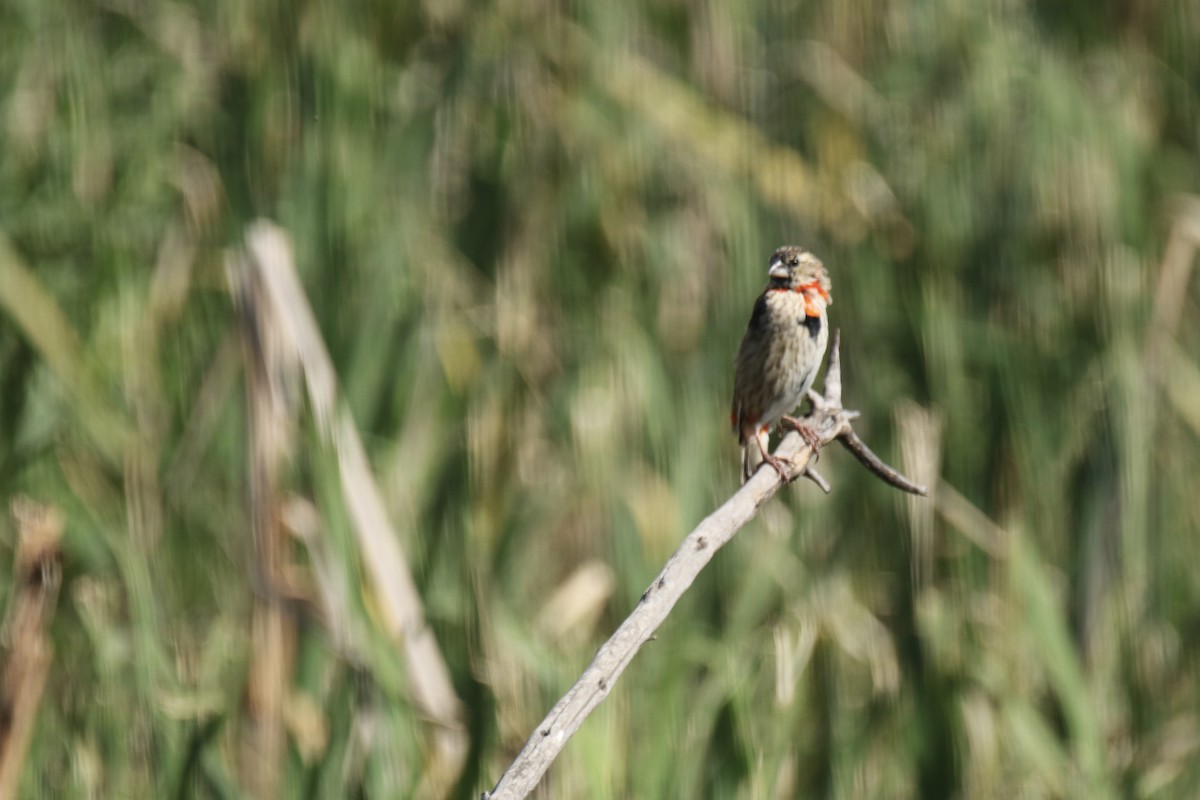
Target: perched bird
{"x":780,"y":354}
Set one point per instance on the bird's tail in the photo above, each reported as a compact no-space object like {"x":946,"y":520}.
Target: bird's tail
{"x":752,"y":454}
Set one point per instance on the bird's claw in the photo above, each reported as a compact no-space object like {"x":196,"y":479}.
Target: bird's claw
{"x":809,"y":436}
{"x":777,"y":462}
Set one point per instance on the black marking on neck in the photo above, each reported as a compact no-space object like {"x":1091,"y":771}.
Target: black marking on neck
{"x":813,"y":324}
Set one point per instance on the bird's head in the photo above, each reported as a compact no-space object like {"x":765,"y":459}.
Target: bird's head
{"x":797,"y":270}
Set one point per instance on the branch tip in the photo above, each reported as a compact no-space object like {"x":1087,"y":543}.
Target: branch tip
{"x":833,"y":374}
{"x":875,"y":464}
{"x":817,"y":478}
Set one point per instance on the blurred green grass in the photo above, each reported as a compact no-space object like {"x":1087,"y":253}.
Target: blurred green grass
{"x":532,"y":234}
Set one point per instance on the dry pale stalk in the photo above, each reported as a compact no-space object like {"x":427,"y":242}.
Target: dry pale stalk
{"x":272,"y":423}
{"x":300,"y":342}
{"x":37,"y":577}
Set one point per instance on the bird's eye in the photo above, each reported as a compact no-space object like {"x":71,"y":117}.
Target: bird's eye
{"x":793,"y":262}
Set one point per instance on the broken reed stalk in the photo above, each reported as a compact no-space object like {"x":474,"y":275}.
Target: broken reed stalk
{"x":37,"y":576}
{"x":831,"y":423}
{"x":297,"y":348}
{"x":271,"y":437}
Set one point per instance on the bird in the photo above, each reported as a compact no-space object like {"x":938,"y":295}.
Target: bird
{"x":780,"y":354}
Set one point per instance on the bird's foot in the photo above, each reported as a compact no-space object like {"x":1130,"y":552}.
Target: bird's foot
{"x":778,"y":463}
{"x":806,"y":433}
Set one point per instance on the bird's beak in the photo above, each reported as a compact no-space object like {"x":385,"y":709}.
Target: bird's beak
{"x":778,"y":270}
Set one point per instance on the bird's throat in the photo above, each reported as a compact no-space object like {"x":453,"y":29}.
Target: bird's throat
{"x":815,"y":297}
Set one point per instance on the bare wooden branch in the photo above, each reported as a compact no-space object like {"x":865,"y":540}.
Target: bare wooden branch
{"x":833,"y":376}
{"x":830,"y":422}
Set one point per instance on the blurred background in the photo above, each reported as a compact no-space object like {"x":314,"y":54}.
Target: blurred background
{"x":531,"y":234}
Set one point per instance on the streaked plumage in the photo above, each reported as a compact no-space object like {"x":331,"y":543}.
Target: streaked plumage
{"x":781,"y":351}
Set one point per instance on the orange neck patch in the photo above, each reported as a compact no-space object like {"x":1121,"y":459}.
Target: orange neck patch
{"x":811,"y":291}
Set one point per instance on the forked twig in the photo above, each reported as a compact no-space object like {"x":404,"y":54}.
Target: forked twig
{"x":830,"y":422}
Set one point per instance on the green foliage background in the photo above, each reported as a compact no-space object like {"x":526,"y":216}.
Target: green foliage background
{"x":532,"y":233}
